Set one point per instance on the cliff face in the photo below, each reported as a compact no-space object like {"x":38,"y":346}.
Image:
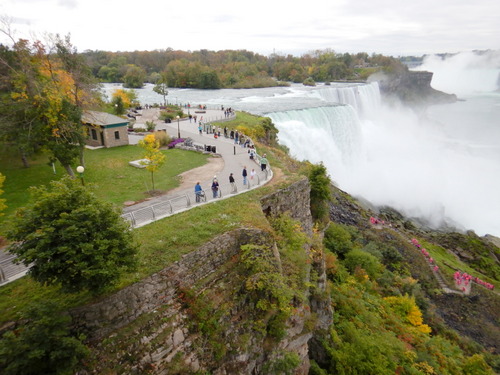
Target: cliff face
{"x":412,"y":88}
{"x":473,"y":315}
{"x":196,"y":316}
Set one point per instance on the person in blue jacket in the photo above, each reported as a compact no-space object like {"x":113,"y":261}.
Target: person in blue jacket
{"x":198,"y":191}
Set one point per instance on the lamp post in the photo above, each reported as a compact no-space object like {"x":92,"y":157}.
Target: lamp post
{"x":80,"y":170}
{"x":178,"y":128}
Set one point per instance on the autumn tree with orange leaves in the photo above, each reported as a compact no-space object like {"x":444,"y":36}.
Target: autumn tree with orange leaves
{"x":43,"y":90}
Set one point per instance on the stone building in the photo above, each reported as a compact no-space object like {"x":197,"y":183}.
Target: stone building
{"x":104,"y":129}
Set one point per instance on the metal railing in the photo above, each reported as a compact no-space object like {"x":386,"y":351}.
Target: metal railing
{"x":157,"y":211}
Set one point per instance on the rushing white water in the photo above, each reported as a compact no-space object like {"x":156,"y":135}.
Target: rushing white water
{"x":466,"y":73}
{"x":365,"y":99}
{"x":445,"y":169}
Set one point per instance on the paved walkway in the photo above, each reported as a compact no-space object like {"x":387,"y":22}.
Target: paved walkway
{"x":234,"y":159}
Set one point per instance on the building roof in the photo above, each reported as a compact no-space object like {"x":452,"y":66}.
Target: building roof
{"x":102,"y":119}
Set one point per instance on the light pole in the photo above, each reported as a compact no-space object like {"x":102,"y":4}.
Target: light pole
{"x":80,"y":170}
{"x":178,"y":128}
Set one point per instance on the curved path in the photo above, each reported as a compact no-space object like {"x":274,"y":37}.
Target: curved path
{"x":234,"y":158}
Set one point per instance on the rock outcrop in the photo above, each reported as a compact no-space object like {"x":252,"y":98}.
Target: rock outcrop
{"x":412,"y":88}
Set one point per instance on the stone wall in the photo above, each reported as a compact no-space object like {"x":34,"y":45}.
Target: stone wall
{"x":101,"y":318}
{"x":110,"y":139}
{"x":294,"y":200}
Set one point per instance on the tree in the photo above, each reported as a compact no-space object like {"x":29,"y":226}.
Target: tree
{"x":42,"y":95}
{"x":123,"y":99}
{"x":320,"y":192}
{"x":209,"y":80}
{"x":135,"y":77}
{"x":72,"y":238}
{"x":161,"y":88}
{"x":154,"y":157}
{"x":42,"y":345}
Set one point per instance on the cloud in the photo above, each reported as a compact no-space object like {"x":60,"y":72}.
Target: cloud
{"x":383,"y":26}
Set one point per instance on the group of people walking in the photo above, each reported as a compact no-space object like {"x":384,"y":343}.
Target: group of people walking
{"x":215,"y":187}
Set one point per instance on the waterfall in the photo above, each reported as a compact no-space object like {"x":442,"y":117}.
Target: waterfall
{"x":331,"y":135}
{"x":364,"y":98}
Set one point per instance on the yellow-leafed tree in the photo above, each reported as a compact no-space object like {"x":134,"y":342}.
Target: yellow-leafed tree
{"x":407,"y":309}
{"x":154,"y":157}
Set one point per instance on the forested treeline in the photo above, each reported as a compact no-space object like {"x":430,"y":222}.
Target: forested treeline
{"x":233,"y":68}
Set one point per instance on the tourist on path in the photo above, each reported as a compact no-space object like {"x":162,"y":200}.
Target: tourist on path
{"x":233,"y":185}
{"x":198,"y":192}
{"x":244,"y":174}
{"x":215,"y":188}
{"x":252,"y":174}
{"x":263,"y":163}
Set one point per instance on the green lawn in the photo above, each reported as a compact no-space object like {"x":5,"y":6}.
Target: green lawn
{"x":107,"y":172}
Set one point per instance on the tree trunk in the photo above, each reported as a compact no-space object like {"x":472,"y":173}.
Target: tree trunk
{"x":69,"y":170}
{"x":82,"y":157}
{"x":26,"y":164}
{"x":153,"y":180}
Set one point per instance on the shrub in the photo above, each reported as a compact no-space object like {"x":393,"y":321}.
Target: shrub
{"x":359,"y":258}
{"x":309,"y":82}
{"x":164,"y":115}
{"x":150,"y":126}
{"x":174,"y":142}
{"x":320,"y":192}
{"x":163,"y":138}
{"x":43,"y":345}
{"x":267,"y":287}
{"x":338,"y":239}
{"x":285,"y":363}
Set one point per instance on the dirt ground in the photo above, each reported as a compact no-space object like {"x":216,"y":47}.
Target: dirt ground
{"x":201,"y":174}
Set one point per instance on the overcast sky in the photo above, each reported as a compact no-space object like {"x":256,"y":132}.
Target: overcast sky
{"x":391,"y":27}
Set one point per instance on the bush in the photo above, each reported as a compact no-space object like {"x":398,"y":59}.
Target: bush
{"x":338,"y":239}
{"x":320,"y":192}
{"x":164,"y":115}
{"x":359,"y":258}
{"x":174,"y":142}
{"x":163,"y":138}
{"x":309,"y":82}
{"x":150,"y":126}
{"x":44,"y":345}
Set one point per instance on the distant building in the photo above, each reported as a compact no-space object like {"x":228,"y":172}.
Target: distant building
{"x":104,"y":129}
